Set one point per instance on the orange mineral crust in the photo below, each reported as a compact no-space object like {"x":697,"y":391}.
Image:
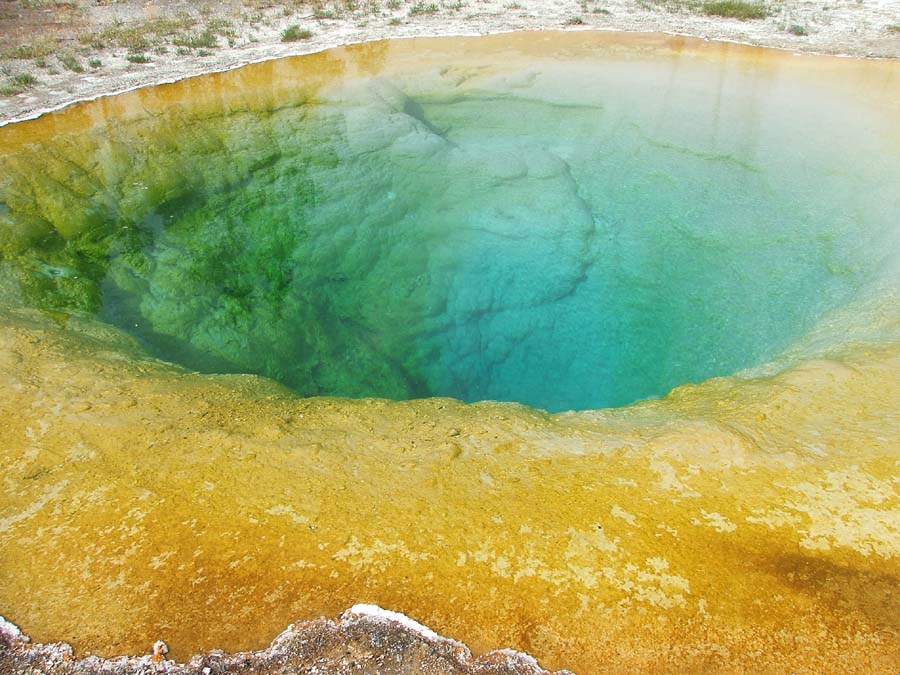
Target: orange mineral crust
{"x":736,"y":525}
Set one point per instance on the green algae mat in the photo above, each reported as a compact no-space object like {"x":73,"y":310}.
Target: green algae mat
{"x":586,"y":345}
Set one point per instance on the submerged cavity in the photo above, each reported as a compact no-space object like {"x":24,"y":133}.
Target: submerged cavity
{"x":566,"y":235}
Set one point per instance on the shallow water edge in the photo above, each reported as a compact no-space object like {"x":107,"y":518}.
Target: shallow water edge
{"x":854,"y":28}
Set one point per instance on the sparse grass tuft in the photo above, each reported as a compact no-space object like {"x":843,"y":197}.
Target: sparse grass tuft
{"x":24,"y":79}
{"x":422,"y":8}
{"x":736,"y":9}
{"x":574,"y":21}
{"x":798,"y":30}
{"x":95,"y":63}
{"x":671,"y":5}
{"x":295,"y":34}
{"x":133,"y":39}
{"x":31,"y":51}
{"x":17,"y":84}
{"x":91,"y":40}
{"x":137,"y":58}
{"x":71,"y":62}
{"x":144,"y":35}
{"x":207,"y":39}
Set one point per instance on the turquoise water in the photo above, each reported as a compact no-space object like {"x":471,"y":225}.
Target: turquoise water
{"x":567,"y":235}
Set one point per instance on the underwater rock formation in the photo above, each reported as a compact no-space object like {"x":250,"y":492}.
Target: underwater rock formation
{"x":373,"y":222}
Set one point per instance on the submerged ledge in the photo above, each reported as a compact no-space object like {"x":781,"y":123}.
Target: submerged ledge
{"x":364,"y":639}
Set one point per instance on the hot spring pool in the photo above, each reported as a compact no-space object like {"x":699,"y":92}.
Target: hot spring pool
{"x":558,"y":233}
{"x":570,"y":222}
